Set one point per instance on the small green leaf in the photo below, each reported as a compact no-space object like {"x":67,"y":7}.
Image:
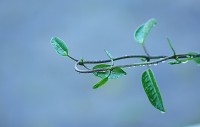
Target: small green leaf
{"x":100,"y":83}
{"x":170,"y":44}
{"x":184,"y":60}
{"x":197,"y":59}
{"x":115,"y":73}
{"x":110,"y":56}
{"x":174,"y":62}
{"x":101,"y":74}
{"x":151,"y":89}
{"x":143,"y":30}
{"x":59,"y":45}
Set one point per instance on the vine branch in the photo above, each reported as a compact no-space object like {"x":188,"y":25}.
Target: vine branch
{"x":157,"y":60}
{"x":112,"y":71}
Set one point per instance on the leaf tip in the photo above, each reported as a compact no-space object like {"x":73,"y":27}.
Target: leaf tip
{"x":53,"y":38}
{"x":152,"y":21}
{"x":94,"y":87}
{"x":163,"y":112}
{"x":100,"y":83}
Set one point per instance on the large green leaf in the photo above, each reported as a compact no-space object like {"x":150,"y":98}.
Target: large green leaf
{"x":115,"y":73}
{"x":100,"y":83}
{"x":151,"y":89}
{"x":143,"y":30}
{"x":59,"y":45}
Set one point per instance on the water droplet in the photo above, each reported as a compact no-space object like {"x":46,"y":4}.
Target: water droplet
{"x":162,"y":112}
{"x":163,"y":61}
{"x":191,"y":56}
{"x":155,"y":64}
{"x":184,"y":62}
{"x":143,"y":65}
{"x":188,"y":56}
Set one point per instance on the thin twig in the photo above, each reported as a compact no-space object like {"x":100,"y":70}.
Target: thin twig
{"x":123,"y":57}
{"x":145,"y":50}
{"x":73,"y":58}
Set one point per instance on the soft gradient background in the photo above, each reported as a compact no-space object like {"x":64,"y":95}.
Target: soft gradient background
{"x":39,"y":88}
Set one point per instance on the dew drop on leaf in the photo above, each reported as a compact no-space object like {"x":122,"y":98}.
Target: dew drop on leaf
{"x":162,"y":112}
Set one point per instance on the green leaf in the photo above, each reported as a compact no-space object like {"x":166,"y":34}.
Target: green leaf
{"x":197,"y":59}
{"x":110,"y":56}
{"x":170,"y":44}
{"x":151,"y":89}
{"x":189,"y":57}
{"x":100,"y":83}
{"x":101,"y":74}
{"x":115,"y":73}
{"x":59,"y":45}
{"x":175,"y":62}
{"x":143,"y":30}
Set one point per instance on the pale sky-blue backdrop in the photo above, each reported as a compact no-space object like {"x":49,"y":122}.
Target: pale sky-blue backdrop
{"x":39,"y":88}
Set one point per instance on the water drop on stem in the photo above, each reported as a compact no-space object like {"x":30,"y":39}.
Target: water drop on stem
{"x":184,"y":62}
{"x":155,"y":64}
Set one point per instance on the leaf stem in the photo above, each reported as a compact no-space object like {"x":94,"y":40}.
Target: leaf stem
{"x":145,"y":50}
{"x":72,"y":58}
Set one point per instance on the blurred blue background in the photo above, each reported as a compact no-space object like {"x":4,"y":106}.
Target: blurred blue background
{"x":39,"y":88}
